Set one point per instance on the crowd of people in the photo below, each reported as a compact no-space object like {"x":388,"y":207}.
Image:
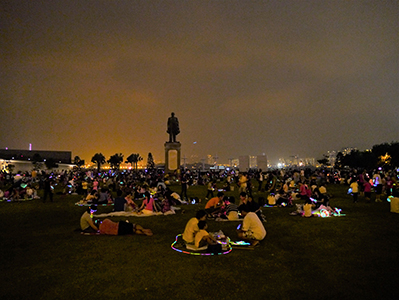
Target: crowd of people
{"x":147,"y":192}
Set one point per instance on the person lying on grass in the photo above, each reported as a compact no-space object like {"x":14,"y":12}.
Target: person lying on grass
{"x":252,"y":230}
{"x":108,"y":227}
{"x":191,"y":228}
{"x":203,"y":238}
{"x":122,"y":228}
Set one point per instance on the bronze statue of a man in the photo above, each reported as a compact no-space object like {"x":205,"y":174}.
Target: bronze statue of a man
{"x":173,"y":128}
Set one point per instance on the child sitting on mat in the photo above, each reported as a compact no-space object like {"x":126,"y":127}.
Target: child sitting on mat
{"x":191,"y":228}
{"x":203,"y":238}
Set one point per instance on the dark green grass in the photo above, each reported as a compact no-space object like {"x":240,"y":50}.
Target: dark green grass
{"x":356,"y":256}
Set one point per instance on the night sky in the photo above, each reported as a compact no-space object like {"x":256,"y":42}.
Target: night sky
{"x":243,"y":77}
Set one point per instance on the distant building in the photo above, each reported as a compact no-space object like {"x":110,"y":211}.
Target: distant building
{"x":296,"y":161}
{"x":22,"y":159}
{"x":262,"y":162}
{"x":247,"y":162}
{"x":244,"y":163}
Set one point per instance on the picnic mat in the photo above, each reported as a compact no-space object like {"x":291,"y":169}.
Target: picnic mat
{"x":89,"y":204}
{"x":129,"y":214}
{"x":179,"y":246}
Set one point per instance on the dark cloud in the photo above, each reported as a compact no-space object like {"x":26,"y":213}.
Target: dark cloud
{"x":243,"y":77}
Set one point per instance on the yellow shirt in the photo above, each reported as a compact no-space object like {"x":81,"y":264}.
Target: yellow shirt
{"x":307,"y":208}
{"x":190,"y":230}
{"x":199,"y":236}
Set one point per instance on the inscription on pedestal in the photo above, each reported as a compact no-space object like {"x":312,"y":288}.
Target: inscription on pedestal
{"x":172,"y":156}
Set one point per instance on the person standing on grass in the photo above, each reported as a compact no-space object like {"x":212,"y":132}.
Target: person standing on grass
{"x":252,"y":229}
{"x":184,"y":181}
{"x":378,"y":186}
{"x":210,"y":189}
{"x":191,"y":228}
{"x":48,"y":189}
{"x":355,"y":189}
{"x":259,"y":178}
{"x":367,"y":190}
{"x":361,"y":183}
{"x":242,"y":182}
{"x":95,"y":184}
{"x":389,"y":185}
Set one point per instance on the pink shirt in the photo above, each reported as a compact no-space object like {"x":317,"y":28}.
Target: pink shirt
{"x":367,"y":187}
{"x":302,"y":190}
{"x":149,"y":204}
{"x":95,"y":185}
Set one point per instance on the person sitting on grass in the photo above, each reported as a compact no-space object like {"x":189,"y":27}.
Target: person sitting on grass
{"x":230,"y":209}
{"x":203,"y":238}
{"x":254,"y":207}
{"x":304,"y":192}
{"x":192,"y":227}
{"x":119,"y":202}
{"x":31,"y":192}
{"x":148,"y":206}
{"x":307,"y":208}
{"x":167,"y":206}
{"x":86,"y":222}
{"x":252,"y":229}
{"x":122,"y":228}
{"x":103,"y":197}
{"x":214,"y":205}
{"x":92,"y":196}
{"x":243,"y":198}
{"x":131,"y":205}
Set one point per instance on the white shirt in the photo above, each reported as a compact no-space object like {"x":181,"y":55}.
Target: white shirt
{"x":252,"y":222}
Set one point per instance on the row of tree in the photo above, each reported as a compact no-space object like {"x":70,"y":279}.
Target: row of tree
{"x":384,"y":155}
{"x":116,"y":160}
{"x":38,"y":162}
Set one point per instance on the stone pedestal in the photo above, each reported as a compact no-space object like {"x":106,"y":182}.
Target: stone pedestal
{"x":172,"y":156}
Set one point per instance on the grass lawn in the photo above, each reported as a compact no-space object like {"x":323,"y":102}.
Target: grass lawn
{"x":350,"y":257}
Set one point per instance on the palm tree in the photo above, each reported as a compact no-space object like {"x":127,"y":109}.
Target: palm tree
{"x":115,"y":160}
{"x":98,"y":159}
{"x":78,"y":162}
{"x":150,"y":162}
{"x":133,"y":159}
